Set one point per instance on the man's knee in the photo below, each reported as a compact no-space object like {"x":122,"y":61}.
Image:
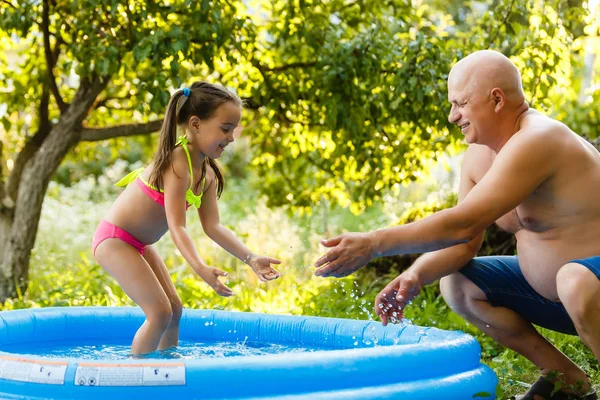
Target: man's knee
{"x":459,"y":292}
{"x":454,"y":290}
{"x":578,"y":289}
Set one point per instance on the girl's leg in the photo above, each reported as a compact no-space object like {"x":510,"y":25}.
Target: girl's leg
{"x":124,"y":263}
{"x":171,"y":336}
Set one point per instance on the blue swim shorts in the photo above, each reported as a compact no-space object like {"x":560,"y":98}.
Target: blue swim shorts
{"x":502,"y":281}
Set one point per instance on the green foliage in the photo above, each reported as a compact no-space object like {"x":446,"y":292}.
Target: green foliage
{"x":347,"y":99}
{"x":355,"y":93}
{"x":143,"y":49}
{"x":358,"y":114}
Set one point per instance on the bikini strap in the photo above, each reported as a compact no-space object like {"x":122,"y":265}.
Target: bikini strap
{"x":130,"y":177}
{"x":184,"y":142}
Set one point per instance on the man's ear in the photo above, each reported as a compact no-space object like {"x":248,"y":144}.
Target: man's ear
{"x":499,"y":99}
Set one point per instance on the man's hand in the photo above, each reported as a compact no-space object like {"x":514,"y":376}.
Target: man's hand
{"x":391,"y":301}
{"x":350,"y":252}
{"x":261,"y":265}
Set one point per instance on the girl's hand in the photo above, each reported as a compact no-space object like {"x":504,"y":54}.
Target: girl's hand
{"x":261,"y":265}
{"x":211,"y":276}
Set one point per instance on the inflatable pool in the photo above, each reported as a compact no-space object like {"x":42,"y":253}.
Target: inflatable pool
{"x":350,"y":359}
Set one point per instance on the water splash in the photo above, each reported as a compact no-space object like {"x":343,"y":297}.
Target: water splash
{"x":186,"y":350}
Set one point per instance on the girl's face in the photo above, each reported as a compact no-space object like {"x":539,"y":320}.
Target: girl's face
{"x":213,"y":135}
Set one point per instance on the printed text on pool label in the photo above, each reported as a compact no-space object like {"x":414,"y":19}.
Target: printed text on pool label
{"x":39,"y":371}
{"x":92,"y":374}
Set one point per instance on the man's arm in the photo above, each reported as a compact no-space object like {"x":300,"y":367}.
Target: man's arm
{"x":434,"y":265}
{"x":524,"y":163}
{"x":527,"y":160}
{"x":391,"y":301}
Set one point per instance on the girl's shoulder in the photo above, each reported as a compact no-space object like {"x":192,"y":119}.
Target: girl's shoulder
{"x":179,"y":163}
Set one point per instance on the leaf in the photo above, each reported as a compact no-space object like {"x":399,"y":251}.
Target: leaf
{"x":6,"y":123}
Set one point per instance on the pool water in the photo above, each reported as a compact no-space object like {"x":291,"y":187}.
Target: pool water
{"x":186,"y":350}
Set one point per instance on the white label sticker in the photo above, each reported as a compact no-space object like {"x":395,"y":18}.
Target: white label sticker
{"x":164,"y":375}
{"x":48,"y":373}
{"x":39,"y":371}
{"x":130,"y":375}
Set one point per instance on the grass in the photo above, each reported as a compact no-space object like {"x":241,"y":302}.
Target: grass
{"x":63,"y":272}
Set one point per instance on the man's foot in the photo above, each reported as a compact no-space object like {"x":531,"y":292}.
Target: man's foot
{"x":543,"y":389}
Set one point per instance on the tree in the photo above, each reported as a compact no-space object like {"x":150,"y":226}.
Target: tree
{"x":348,"y":95}
{"x":78,"y":68}
{"x":358,"y":98}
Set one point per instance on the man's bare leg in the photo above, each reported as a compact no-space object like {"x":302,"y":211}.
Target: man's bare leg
{"x":508,"y":328}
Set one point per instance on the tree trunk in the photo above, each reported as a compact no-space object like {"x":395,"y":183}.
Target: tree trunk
{"x":18,"y":228}
{"x":5,"y":223}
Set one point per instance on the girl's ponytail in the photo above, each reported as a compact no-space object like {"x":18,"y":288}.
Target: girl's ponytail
{"x":218,"y":174}
{"x":166,"y":140}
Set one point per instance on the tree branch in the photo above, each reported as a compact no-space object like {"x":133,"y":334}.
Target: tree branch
{"x":96,"y":134}
{"x":103,"y":102}
{"x":50,"y":57}
{"x":492,"y":35}
{"x":9,"y":3}
{"x":280,"y":68}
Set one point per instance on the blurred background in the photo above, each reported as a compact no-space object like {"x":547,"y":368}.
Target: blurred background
{"x":345,"y":129}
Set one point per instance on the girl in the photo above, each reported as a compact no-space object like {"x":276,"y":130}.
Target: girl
{"x":183,"y":173}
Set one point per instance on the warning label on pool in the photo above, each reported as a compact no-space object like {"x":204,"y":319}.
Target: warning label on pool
{"x":92,"y":374}
{"x":39,"y":371}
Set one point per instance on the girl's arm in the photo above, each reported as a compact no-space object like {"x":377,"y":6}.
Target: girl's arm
{"x":211,"y":223}
{"x":176,"y":182}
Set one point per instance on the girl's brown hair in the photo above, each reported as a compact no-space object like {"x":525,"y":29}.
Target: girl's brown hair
{"x":203,"y":100}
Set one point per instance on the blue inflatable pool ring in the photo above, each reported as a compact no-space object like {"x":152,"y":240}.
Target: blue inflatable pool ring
{"x":358,"y":360}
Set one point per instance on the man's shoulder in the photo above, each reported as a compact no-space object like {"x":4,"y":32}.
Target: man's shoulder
{"x":539,"y":124}
{"x":538,"y":131}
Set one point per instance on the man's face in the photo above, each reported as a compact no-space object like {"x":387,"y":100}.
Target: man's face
{"x":470,"y":109}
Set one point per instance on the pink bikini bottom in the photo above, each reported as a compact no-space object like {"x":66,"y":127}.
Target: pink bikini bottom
{"x":106,"y":230}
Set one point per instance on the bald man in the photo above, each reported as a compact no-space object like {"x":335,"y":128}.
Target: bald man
{"x":532,"y":176}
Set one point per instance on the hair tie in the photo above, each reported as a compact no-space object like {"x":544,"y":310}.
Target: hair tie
{"x":186,"y":92}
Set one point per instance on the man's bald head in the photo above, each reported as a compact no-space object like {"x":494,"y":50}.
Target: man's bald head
{"x":485,"y":70}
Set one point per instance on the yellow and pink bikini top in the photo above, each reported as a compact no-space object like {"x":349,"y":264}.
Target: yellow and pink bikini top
{"x":158,"y":195}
